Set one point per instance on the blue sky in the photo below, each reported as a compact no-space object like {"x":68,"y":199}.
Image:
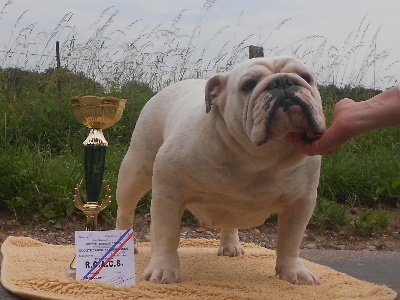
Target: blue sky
{"x":255,"y":20}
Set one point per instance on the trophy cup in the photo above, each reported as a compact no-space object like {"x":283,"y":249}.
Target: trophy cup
{"x":97,"y":114}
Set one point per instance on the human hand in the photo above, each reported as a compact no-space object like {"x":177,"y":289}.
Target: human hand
{"x":335,"y":136}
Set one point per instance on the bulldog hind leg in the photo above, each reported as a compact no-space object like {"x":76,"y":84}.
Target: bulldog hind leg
{"x":230,"y":244}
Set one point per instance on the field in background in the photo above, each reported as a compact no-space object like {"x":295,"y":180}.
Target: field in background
{"x":41,"y":152}
{"x":158,"y":54}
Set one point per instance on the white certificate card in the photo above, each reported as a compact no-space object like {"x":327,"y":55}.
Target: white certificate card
{"x":105,"y":256}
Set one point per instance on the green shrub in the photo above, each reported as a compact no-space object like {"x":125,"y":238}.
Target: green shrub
{"x":37,"y":185}
{"x":331,"y":213}
{"x":389,"y":191}
{"x":371,"y":221}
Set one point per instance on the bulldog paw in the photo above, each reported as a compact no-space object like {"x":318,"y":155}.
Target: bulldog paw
{"x":163,"y":276}
{"x":230,"y":250}
{"x":163,"y":269}
{"x":294,"y":271}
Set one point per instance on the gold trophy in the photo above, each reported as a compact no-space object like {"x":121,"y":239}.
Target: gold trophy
{"x":97,"y":114}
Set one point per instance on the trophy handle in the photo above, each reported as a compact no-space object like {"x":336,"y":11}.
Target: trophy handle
{"x":78,"y":196}
{"x":78,"y":202}
{"x":107,"y":196}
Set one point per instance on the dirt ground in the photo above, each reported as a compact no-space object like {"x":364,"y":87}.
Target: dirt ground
{"x":316,"y":237}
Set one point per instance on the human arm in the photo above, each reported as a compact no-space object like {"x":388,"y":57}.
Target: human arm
{"x":352,"y":118}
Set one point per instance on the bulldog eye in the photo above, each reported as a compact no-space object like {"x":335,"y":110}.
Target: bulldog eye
{"x":249,"y":86}
{"x":307,"y":78}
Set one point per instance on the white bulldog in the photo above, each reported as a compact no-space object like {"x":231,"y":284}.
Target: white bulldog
{"x":231,"y":164}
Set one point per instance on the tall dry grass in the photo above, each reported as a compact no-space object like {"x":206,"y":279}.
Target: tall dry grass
{"x":158,"y":54}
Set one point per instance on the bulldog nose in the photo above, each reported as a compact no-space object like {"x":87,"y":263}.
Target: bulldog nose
{"x":282,"y":83}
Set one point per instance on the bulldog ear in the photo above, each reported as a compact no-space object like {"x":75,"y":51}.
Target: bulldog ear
{"x":214,"y":87}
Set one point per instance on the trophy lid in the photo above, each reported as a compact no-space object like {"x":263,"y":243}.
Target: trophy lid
{"x":98,"y":112}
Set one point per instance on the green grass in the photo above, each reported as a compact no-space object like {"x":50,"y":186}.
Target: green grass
{"x":41,"y":150}
{"x":41,"y":154}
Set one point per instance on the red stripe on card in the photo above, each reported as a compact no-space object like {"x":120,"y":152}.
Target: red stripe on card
{"x":111,"y":256}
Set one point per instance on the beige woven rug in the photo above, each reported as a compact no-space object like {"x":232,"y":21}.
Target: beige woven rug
{"x":36,"y":270}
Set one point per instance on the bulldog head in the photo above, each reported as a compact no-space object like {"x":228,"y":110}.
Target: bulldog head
{"x":267,"y":98}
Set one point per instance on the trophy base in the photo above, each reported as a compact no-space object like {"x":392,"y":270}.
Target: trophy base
{"x":71,"y":272}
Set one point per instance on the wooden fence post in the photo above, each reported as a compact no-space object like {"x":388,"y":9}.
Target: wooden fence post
{"x":255,"y":51}
{"x":58,"y":59}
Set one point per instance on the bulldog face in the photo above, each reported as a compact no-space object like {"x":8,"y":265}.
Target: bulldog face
{"x":275,"y":95}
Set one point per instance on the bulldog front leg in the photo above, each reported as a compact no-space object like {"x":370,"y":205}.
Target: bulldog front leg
{"x":229,"y":243}
{"x":166,"y":213}
{"x":291,"y":225}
